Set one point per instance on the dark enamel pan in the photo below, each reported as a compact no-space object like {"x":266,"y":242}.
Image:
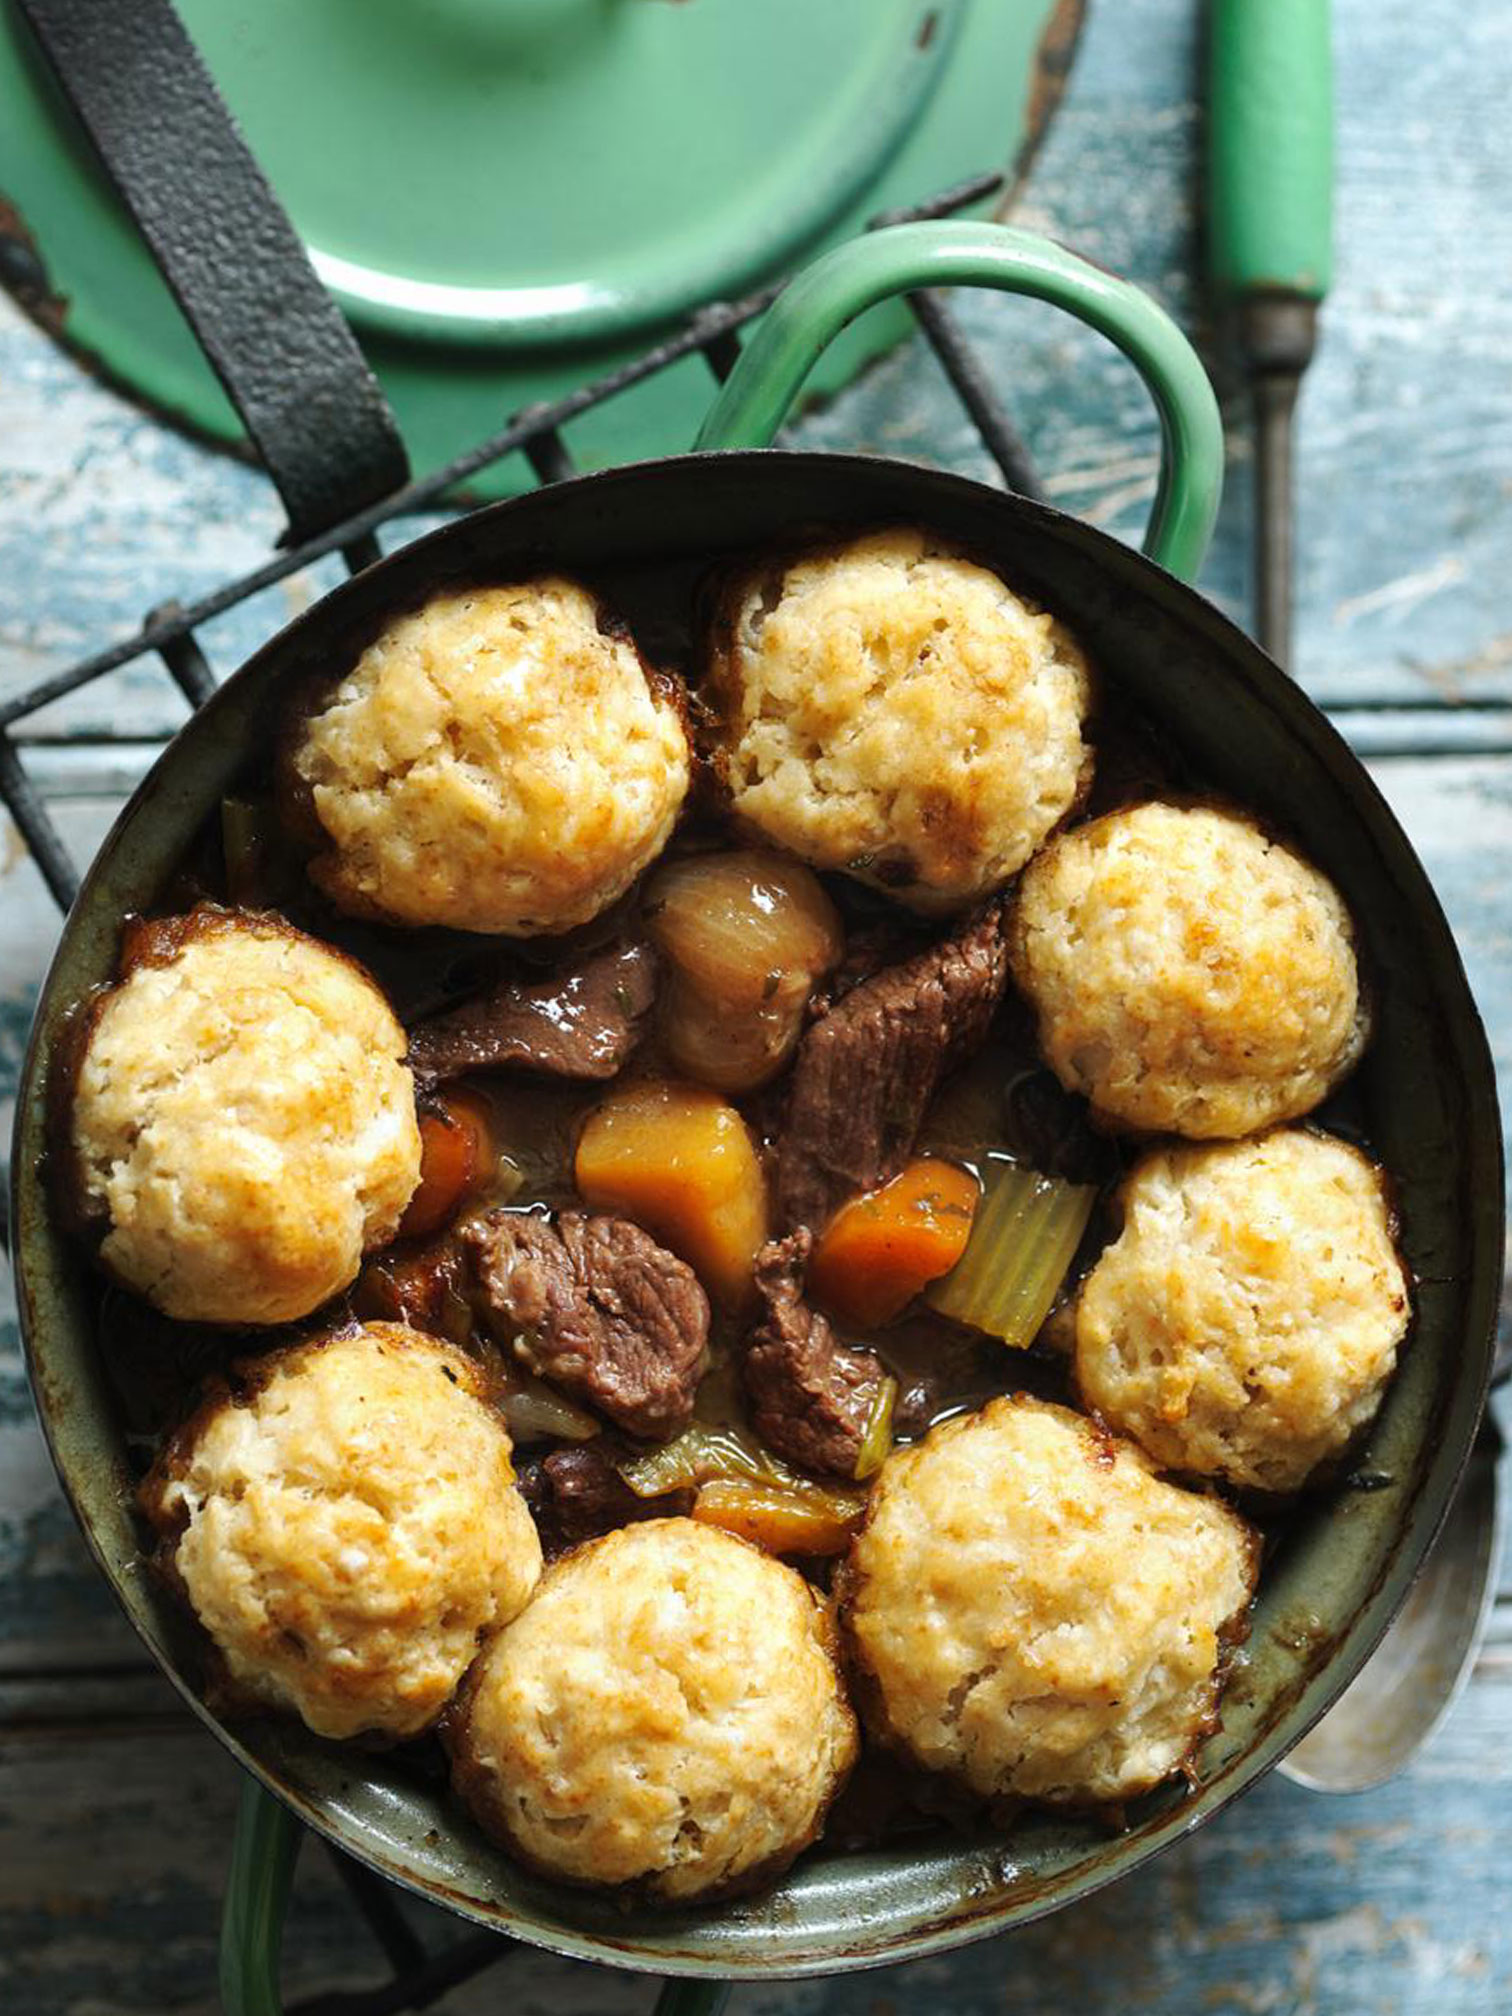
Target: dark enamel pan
{"x":647,"y":533}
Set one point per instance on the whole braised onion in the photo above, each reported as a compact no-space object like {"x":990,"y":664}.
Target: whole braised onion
{"x":747,"y":935}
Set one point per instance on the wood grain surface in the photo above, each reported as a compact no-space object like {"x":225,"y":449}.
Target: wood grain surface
{"x":114,"y":1808}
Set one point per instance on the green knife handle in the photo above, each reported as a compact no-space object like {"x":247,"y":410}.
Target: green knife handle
{"x":1270,"y":112}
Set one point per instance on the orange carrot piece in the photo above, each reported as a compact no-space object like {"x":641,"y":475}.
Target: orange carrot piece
{"x":881,"y":1250}
{"x":782,"y":1521}
{"x":416,"y":1286}
{"x":455,"y":1152}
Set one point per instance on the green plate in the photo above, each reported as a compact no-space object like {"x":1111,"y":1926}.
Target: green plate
{"x":510,"y":197}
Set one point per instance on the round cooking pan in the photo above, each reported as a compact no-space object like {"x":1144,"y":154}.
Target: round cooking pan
{"x":646,"y":534}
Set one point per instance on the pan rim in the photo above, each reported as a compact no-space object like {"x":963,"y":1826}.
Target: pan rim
{"x":1420,"y":1519}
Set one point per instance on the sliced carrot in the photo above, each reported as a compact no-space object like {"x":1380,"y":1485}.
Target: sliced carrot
{"x":682,"y":1163}
{"x":781,"y":1520}
{"x":881,"y":1250}
{"x":455,"y":1154}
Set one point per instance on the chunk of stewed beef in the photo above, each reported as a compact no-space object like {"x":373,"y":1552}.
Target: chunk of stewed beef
{"x":576,"y":1494}
{"x":810,"y":1395}
{"x":595,"y":1306}
{"x":866,"y":1071}
{"x":582,"y":1021}
{"x":869,"y":949}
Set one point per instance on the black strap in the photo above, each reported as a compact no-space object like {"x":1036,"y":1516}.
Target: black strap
{"x":315,"y":413}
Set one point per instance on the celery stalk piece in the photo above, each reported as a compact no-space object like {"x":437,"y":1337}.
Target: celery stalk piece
{"x":1027,"y":1230}
{"x":877,"y":1442}
{"x":702,"y":1453}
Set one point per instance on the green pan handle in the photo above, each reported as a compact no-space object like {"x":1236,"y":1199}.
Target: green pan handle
{"x":263,"y":1854}
{"x":813,"y":308}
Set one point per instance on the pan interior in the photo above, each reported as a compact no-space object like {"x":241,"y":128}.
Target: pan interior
{"x":647,"y":535}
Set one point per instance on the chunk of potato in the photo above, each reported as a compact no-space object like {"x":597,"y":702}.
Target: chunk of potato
{"x":682,"y":1163}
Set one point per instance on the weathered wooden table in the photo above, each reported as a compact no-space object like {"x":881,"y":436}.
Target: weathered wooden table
{"x":114,"y":1807}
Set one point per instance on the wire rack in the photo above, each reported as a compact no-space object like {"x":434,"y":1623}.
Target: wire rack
{"x":418,"y":1976}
